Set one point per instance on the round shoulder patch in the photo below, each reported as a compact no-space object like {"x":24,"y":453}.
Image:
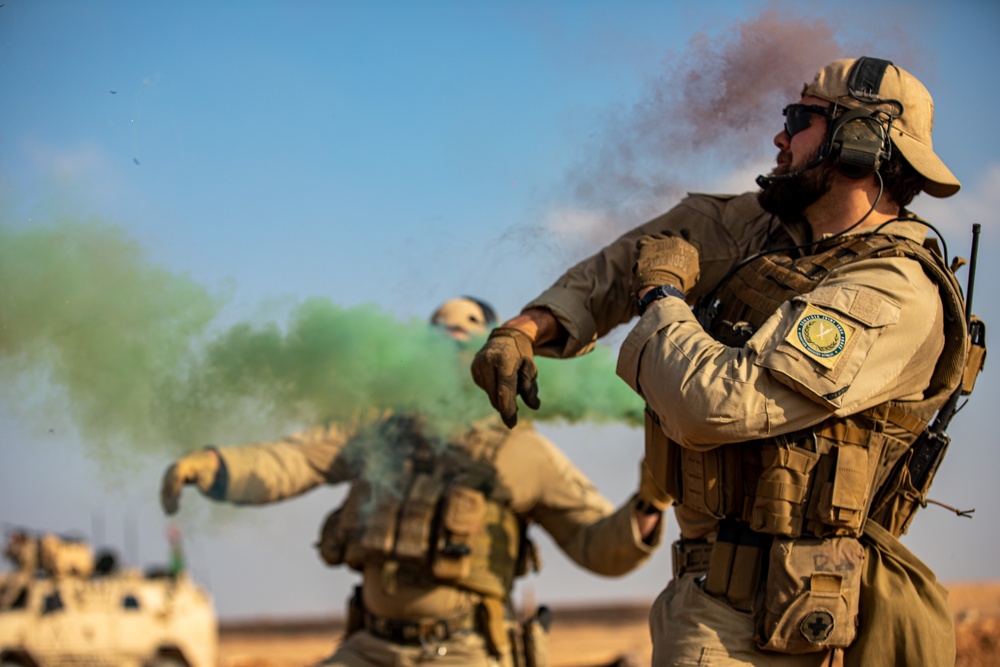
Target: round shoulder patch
{"x":821,"y":335}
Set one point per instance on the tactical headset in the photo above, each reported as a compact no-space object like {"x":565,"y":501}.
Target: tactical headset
{"x":858,"y":139}
{"x":858,"y":142}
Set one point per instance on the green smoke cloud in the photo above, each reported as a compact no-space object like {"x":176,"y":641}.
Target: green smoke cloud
{"x":81,"y":305}
{"x":128,"y":344}
{"x":585,"y":389}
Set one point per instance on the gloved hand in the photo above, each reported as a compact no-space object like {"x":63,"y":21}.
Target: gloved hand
{"x":666,"y":258}
{"x":198,"y":467}
{"x":504,"y":368}
{"x":650,"y":493}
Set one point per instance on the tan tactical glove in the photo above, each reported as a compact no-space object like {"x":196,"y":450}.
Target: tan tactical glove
{"x":504,"y":368}
{"x":196,"y":468}
{"x":666,"y":258}
{"x":650,"y":494}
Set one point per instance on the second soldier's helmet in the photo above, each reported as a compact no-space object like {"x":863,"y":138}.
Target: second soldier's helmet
{"x":464,"y":317}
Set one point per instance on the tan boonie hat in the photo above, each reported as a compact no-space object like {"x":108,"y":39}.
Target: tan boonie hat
{"x":901,"y":94}
{"x":464,"y":317}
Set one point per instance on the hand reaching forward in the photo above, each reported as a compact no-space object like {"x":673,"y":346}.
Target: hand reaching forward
{"x":505,"y":368}
{"x":198,"y":467}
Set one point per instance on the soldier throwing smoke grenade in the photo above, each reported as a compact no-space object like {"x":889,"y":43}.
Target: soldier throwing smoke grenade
{"x":788,"y":410}
{"x":439,"y":558}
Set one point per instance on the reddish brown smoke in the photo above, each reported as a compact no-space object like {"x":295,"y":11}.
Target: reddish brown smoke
{"x":713,"y":109}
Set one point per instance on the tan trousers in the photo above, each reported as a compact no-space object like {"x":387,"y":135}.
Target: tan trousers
{"x":363,"y":649}
{"x":905,"y":619}
{"x":690,"y":627}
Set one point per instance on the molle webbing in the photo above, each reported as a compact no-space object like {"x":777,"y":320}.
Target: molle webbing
{"x":719,"y":482}
{"x":441,"y":517}
{"x":856,"y":429}
{"x":820,"y":481}
{"x":752,"y":296}
{"x":756,"y":291}
{"x":782,"y":488}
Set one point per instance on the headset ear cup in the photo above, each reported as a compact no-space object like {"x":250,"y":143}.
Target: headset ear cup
{"x":858,"y":143}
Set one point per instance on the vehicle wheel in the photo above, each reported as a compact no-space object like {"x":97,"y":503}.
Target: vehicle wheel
{"x":165,"y":661}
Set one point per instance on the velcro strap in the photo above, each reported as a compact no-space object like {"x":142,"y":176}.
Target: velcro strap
{"x":781,"y":490}
{"x":776,"y":523}
{"x":906,"y":420}
{"x":838,"y":431}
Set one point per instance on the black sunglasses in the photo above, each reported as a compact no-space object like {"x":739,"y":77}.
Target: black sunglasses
{"x":798,"y":117}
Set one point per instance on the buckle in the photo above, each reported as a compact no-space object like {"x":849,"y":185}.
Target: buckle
{"x":439,"y":631}
{"x":690,"y":555}
{"x":428,"y":634}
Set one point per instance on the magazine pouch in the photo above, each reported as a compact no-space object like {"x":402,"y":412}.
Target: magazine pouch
{"x":464,"y":513}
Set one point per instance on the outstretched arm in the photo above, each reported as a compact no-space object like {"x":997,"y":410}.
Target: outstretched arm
{"x":260,"y":473}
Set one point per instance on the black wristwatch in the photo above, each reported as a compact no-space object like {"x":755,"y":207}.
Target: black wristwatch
{"x":656,"y":294}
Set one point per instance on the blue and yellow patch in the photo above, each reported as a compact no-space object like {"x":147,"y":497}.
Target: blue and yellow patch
{"x":820,"y":335}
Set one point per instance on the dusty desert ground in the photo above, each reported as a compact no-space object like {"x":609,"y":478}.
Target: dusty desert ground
{"x":584,"y":636}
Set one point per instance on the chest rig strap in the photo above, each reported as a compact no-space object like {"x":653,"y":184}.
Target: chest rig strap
{"x":758,"y":289}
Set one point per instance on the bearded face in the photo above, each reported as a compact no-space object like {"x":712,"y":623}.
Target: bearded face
{"x":788,"y":198}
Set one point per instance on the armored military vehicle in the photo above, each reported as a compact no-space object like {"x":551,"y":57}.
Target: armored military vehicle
{"x":61,"y":606}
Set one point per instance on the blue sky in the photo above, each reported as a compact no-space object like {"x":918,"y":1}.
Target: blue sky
{"x":398,"y":154}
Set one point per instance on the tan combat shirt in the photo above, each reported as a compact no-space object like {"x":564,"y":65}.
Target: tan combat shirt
{"x":545,"y":487}
{"x":708,"y":394}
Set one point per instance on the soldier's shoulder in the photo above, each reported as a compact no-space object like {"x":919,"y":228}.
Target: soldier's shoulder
{"x":724,"y":206}
{"x":525,"y":441}
{"x":525,"y":433}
